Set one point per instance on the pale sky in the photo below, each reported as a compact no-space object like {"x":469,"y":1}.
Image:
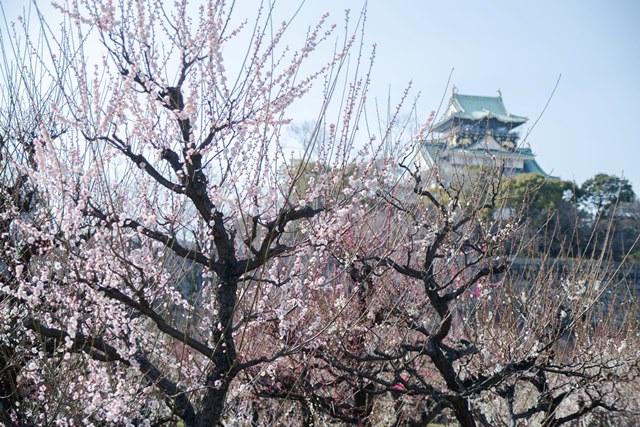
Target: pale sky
{"x":520,"y":48}
{"x":591,"y":124}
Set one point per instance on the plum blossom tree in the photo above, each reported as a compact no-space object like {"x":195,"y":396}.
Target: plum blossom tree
{"x":24,"y":113}
{"x":174,"y":265}
{"x":435,"y":319}
{"x":169,"y":153}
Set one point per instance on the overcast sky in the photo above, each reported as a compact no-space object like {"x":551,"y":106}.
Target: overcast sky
{"x":591,"y":124}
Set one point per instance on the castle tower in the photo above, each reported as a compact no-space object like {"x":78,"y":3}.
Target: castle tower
{"x":478,"y":131}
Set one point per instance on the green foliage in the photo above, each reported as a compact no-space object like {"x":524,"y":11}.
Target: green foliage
{"x":537,"y":194}
{"x":303,"y":171}
{"x":547,"y":205}
{"x":305,"y":174}
{"x":602,"y":192}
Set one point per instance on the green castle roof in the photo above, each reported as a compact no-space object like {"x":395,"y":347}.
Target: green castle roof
{"x":476,"y":108}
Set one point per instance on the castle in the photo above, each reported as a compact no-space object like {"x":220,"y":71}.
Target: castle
{"x":478,"y":131}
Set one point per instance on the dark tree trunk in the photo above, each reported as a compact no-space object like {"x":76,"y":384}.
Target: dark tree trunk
{"x":224,"y":357}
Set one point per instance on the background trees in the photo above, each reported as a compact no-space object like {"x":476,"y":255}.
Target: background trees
{"x":352,"y":286}
{"x":603,"y":192}
{"x":597,"y":218}
{"x":611,"y":222}
{"x":548,"y":207}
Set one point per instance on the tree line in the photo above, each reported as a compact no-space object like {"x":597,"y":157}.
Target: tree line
{"x":600,"y":217}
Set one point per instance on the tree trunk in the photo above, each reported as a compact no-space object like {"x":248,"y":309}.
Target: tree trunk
{"x":463,"y":413}
{"x":224,"y":357}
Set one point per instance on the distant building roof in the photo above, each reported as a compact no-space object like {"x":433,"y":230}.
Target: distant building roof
{"x":472,"y":107}
{"x":477,"y":131}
